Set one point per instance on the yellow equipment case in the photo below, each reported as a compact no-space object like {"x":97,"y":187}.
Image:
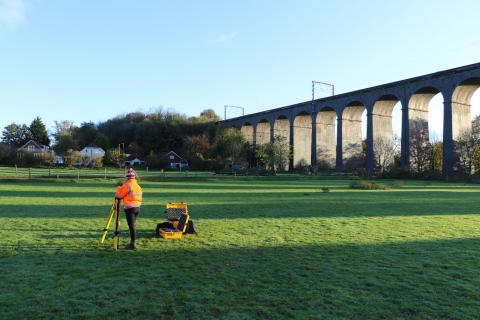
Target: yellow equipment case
{"x":178,"y":221}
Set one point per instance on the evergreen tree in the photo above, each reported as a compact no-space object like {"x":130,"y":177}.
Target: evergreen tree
{"x":38,"y":132}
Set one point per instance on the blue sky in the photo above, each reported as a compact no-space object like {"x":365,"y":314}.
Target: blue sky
{"x":87,"y":60}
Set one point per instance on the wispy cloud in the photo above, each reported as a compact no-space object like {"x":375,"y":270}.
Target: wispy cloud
{"x":12,"y":12}
{"x":224,"y":37}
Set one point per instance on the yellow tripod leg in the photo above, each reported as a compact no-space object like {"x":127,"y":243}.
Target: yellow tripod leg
{"x":109,"y":221}
{"x":116,"y":242}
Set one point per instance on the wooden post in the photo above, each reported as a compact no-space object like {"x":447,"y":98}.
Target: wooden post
{"x":49,"y":172}
{"x":78,"y":174}
{"x":105,"y":173}
{"x":16,"y":170}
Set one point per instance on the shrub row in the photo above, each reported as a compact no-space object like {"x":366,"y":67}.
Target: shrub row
{"x":371,"y":185}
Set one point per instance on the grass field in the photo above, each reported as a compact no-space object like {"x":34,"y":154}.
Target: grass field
{"x":268,"y":248}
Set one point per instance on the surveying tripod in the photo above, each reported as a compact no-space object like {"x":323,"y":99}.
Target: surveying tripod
{"x":114,"y":211}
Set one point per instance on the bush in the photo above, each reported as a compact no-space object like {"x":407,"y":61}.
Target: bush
{"x":367,"y":185}
{"x":27,"y":159}
{"x":325,"y":189}
{"x":396,"y":184}
{"x":96,"y":163}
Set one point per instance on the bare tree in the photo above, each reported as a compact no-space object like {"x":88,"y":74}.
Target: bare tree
{"x":420,"y":146}
{"x":436,"y":156}
{"x":384,"y":153}
{"x":466,"y":147}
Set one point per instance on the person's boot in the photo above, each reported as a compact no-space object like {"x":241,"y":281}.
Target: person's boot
{"x":131,"y":246}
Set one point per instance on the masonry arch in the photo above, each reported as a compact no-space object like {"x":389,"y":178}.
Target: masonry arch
{"x":462,"y":123}
{"x":302,"y":139}
{"x":474,"y":100}
{"x":247,"y":131}
{"x":352,"y":143}
{"x":425,"y":129}
{"x":475,"y":105}
{"x":281,"y":127}
{"x":326,"y":137}
{"x":262,"y":132}
{"x":386,"y":137}
{"x":462,"y":106}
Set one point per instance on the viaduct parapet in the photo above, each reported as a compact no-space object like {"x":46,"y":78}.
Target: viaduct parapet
{"x":329,"y":130}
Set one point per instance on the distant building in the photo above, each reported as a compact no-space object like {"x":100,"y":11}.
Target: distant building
{"x":92,"y":152}
{"x":176,"y":162}
{"x":133,"y":161}
{"x":36,"y":149}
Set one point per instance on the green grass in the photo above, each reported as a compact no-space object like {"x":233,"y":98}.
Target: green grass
{"x":268,"y":248}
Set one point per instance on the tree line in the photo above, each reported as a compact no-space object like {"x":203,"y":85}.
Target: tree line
{"x":207,"y":146}
{"x":204,"y":144}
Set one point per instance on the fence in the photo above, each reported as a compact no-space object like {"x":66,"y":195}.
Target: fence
{"x":15,"y":172}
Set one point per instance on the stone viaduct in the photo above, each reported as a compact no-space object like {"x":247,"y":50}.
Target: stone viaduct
{"x":330,"y":129}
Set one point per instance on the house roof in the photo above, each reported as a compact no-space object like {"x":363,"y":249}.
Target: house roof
{"x":173,"y":153}
{"x":93,"y":147}
{"x":38,"y":145}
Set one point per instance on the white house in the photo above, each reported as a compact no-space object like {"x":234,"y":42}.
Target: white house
{"x":93,"y":151}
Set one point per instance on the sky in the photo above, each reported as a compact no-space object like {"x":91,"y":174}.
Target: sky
{"x":90,"y":60}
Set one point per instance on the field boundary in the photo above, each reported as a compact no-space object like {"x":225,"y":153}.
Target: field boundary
{"x":23,"y":173}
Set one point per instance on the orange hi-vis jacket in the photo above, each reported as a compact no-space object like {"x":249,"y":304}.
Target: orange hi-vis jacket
{"x":130,"y":193}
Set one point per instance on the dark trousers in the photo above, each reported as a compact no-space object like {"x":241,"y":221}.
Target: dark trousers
{"x":131,"y":214}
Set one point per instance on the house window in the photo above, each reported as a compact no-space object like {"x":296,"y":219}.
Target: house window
{"x":172,"y":157}
{"x":31,"y":148}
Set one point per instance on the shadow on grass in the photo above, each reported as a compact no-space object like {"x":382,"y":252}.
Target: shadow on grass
{"x":414,"y":280}
{"x":283,"y":206}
